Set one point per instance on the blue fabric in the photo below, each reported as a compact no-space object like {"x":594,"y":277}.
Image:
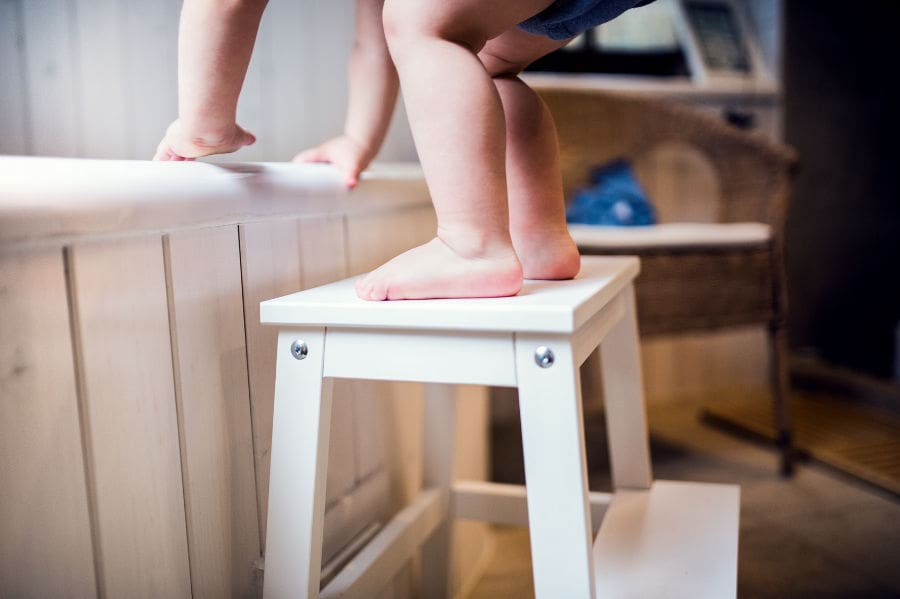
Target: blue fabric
{"x":567,"y":18}
{"x":616,"y":198}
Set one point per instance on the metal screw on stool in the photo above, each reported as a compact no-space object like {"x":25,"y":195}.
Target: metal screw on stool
{"x":543,"y":356}
{"x":299,"y":349}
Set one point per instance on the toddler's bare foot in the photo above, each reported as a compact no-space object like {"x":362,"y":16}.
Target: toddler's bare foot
{"x":435,"y":270}
{"x":547,"y":254}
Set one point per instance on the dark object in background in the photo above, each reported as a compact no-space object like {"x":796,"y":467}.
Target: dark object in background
{"x":669,"y":63}
{"x":589,"y":57}
{"x":615,"y":199}
{"x":843,"y":228}
{"x":741,"y":119}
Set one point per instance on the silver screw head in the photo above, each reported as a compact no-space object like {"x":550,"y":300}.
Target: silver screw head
{"x":543,"y":356}
{"x":299,"y":349}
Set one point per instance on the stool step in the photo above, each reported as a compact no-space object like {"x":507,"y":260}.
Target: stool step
{"x":500,"y":503}
{"x":541,"y":306}
{"x":675,"y":540}
{"x":397,"y":543}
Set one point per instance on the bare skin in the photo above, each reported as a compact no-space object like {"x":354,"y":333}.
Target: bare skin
{"x":537,"y":214}
{"x":372,"y":86}
{"x":474,"y":125}
{"x":486,"y":141}
{"x":215,"y":41}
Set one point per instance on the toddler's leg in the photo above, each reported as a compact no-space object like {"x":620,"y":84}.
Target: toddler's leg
{"x":457,"y":121}
{"x":536,"y":206}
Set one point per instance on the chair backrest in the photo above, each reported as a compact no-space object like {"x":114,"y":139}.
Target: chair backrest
{"x":681,"y":181}
{"x":694,"y":166}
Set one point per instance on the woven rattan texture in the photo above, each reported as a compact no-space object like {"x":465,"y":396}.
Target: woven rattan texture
{"x":683,"y":290}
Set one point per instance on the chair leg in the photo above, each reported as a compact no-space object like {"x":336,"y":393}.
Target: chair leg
{"x":300,"y":433}
{"x":555,"y":469}
{"x":439,"y":434}
{"x":778,"y":374}
{"x":623,"y":397}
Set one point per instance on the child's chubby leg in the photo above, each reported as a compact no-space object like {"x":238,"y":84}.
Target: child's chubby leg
{"x":215,"y":41}
{"x":458,"y":125}
{"x":536,"y":205}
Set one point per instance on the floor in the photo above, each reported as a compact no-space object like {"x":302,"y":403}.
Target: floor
{"x":856,"y":437}
{"x":819,"y":534}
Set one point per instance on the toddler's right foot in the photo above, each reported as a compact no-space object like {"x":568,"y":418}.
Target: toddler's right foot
{"x":435,"y":270}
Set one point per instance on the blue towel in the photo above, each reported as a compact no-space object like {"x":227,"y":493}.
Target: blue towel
{"x":615,"y":198}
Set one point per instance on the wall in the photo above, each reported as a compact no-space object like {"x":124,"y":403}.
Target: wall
{"x":97,"y":78}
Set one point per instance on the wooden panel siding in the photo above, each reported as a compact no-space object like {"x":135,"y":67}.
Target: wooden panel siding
{"x":208,"y":350}
{"x":133,"y":367}
{"x":122,"y":336}
{"x":45,"y":528}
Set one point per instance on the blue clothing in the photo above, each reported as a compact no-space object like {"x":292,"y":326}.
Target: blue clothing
{"x":616,"y":198}
{"x":567,"y":18}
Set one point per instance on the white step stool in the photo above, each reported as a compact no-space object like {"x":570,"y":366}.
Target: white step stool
{"x":662,"y":539}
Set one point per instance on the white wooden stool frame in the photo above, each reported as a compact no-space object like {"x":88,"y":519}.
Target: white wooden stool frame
{"x":326,"y":333}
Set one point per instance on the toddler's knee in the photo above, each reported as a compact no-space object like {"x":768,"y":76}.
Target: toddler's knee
{"x":409,"y":22}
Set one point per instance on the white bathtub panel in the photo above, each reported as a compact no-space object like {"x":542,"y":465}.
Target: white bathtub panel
{"x":270,"y":263}
{"x":45,"y":535}
{"x":366,"y":426}
{"x":323,"y":250}
{"x":391,"y":233}
{"x":132,"y":429}
{"x":276,"y":257}
{"x":212,"y":390}
{"x":323,"y":259}
{"x":388,"y":234}
{"x":341,"y":456}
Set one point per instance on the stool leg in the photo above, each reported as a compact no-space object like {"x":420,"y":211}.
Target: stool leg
{"x":300,"y":432}
{"x":623,"y":397}
{"x":555,"y":470}
{"x":439,"y":439}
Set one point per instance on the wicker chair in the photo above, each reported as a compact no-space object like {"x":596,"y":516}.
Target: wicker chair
{"x":686,"y":287}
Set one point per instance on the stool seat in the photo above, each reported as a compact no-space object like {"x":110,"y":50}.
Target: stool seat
{"x":541,"y":306}
{"x":535,"y":341}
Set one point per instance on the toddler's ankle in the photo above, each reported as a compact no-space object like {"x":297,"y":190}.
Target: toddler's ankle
{"x":470,"y":242}
{"x":550,"y":254}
